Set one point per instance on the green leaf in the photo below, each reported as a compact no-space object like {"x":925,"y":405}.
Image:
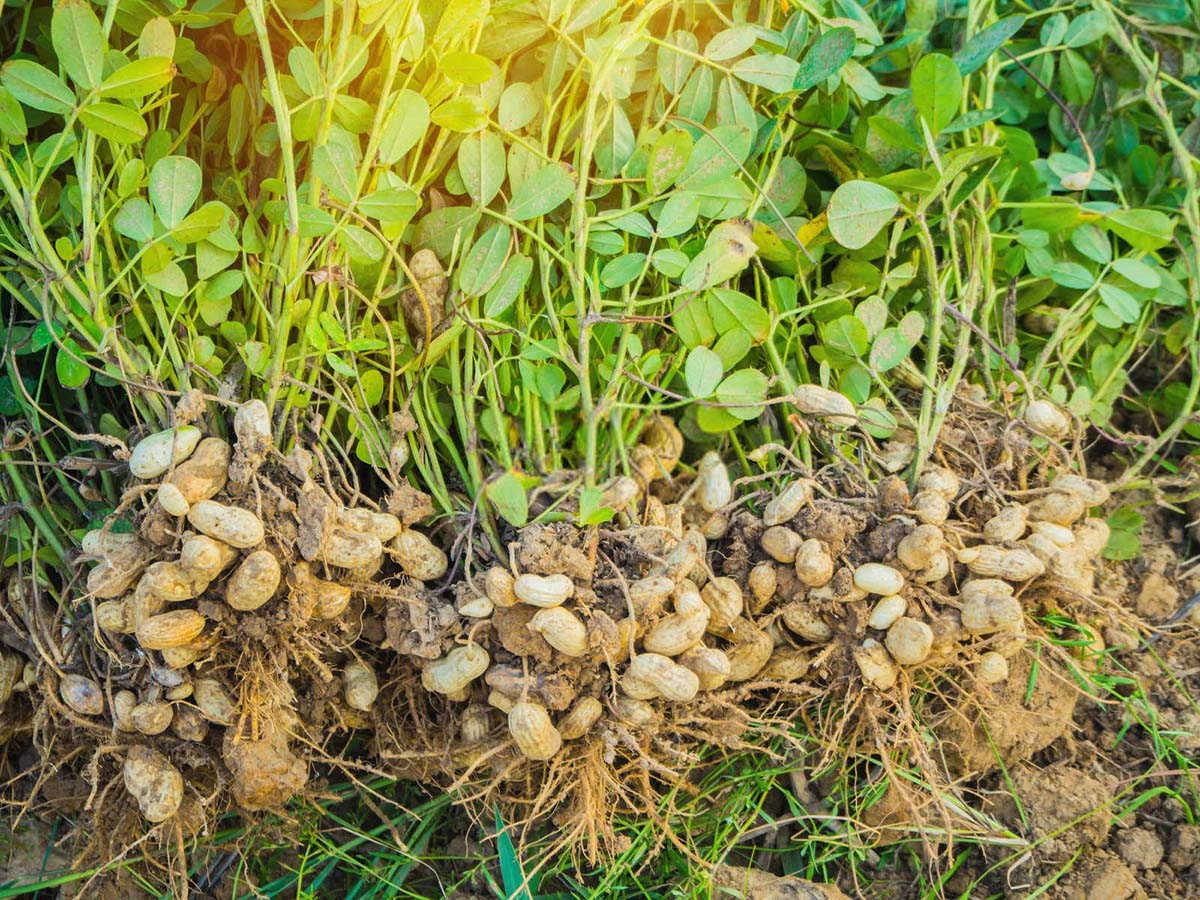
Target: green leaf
{"x":461,"y":114}
{"x":678,"y":214}
{"x":731,"y":42}
{"x":170,"y":279}
{"x":481,"y":165}
{"x":1086,"y":28}
{"x":440,"y":229}
{"x":623,"y":269}
{"x":37,"y":87}
{"x":719,"y":152}
{"x":518,"y":106}
{"x":135,"y":80}
{"x":200,"y":224}
{"x":1138,"y":272}
{"x":157,"y":38}
{"x":541,"y":193}
{"x":889,"y":349}
{"x":482,"y":264}
{"x":390,"y":205}
{"x":730,"y":309}
{"x":513,"y":278}
{"x":135,"y":220}
{"x":334,"y":164}
{"x":1071,"y":275}
{"x":224,"y":284}
{"x":174,"y":187}
{"x":702,"y":371}
{"x":858,"y":210}
{"x":78,"y":41}
{"x":405,"y":124}
{"x":515,"y":882}
{"x":1091,"y":242}
{"x":118,"y":123}
{"x":846,"y":335}
{"x":69,"y":365}
{"x":773,"y":71}
{"x":674,"y":66}
{"x":1142,"y":229}
{"x":360,"y":245}
{"x":667,"y":160}
{"x":979,"y":48}
{"x":1121,"y":303}
{"x":466,"y":67}
{"x":936,"y":90}
{"x":12,"y":117}
{"x":826,"y":56}
{"x":748,"y":389}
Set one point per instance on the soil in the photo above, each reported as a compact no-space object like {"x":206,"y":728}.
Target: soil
{"x":1053,"y":769}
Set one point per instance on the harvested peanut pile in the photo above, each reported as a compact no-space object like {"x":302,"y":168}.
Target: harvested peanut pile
{"x":251,"y":616}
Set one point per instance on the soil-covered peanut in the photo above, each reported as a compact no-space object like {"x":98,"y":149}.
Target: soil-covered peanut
{"x":835,"y":408}
{"x":787,"y":504}
{"x":531,"y":728}
{"x":254,"y":582}
{"x":909,"y":641}
{"x":711,"y":666}
{"x":177,"y":628}
{"x":203,"y":475}
{"x":498,"y":584}
{"x":213,"y":701}
{"x":713,"y":487}
{"x":456,"y":669}
{"x":82,"y":694}
{"x":232,"y":525}
{"x":877,"y":668}
{"x":154,"y":783}
{"x":813,"y":563}
{"x":151,"y":718}
{"x":562,"y":630}
{"x":723,"y":596}
{"x":361,"y":685}
{"x":579,"y":720}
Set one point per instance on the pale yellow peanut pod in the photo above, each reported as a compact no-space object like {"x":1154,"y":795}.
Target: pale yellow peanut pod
{"x":998,"y":562}
{"x":113,"y":616}
{"x":351,"y":549}
{"x":786,"y":505}
{"x":1091,"y":536}
{"x":1045,"y":418}
{"x":171,"y":499}
{"x":725,"y":602}
{"x":501,"y":701}
{"x":750,"y":652}
{"x":230,"y":524}
{"x":780,"y":543}
{"x":634,"y":712}
{"x":938,"y":568}
{"x":213,"y":701}
{"x":648,"y":594}
{"x":499,"y":585}
{"x":380,"y":525}
{"x":562,"y":630}
{"x":180,"y":657}
{"x":204,"y":473}
{"x":156,"y":453}
{"x":835,"y":408}
{"x":661,"y":675}
{"x":176,"y":628}
{"x":1060,"y":535}
{"x":203,"y":559}
{"x":620,"y":493}
{"x":123,"y":703}
{"x":715,"y":527}
{"x":1006,"y":525}
{"x":580,"y":718}
{"x":475,"y":607}
{"x":984,"y":587}
{"x":1059,"y":507}
{"x":673,"y":634}
{"x":931,"y":507}
{"x":987,"y":614}
{"x":81,"y":694}
{"x":189,"y":724}
{"x":876,"y":578}
{"x":909,"y":641}
{"x":361,"y":685}
{"x":254,"y":582}
{"x":153,"y":782}
{"x":814,"y":563}
{"x":475,"y":724}
{"x":762,"y":582}
{"x":456,"y":669}
{"x":1093,"y":492}
{"x":714,"y":490}
{"x":991,"y":668}
{"x":887,"y":611}
{"x":534,"y":733}
{"x":786,"y":664}
{"x":710,"y":665}
{"x":877,"y":668}
{"x":418,"y":556}
{"x":940,"y":480}
{"x":543,"y":590}
{"x":152,"y":718}
{"x":918,"y":548}
{"x":800,"y":619}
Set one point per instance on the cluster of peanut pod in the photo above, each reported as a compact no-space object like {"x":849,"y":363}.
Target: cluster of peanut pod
{"x":205,"y":554}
